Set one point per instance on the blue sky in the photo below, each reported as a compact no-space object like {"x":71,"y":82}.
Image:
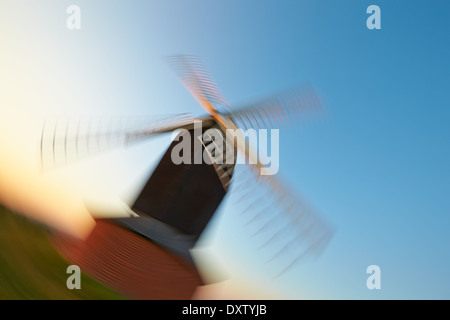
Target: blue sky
{"x":376,"y":167}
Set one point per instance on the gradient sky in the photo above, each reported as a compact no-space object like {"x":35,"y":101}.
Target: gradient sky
{"x":376,"y":167}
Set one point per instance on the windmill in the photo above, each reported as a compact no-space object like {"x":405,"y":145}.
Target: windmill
{"x":178,"y":200}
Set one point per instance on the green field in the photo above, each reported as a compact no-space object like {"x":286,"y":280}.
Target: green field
{"x":31,"y":268}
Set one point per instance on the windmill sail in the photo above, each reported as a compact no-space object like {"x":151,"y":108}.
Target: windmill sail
{"x":286,"y":229}
{"x":67,"y":140}
{"x":291,"y":107}
{"x":194,"y":76}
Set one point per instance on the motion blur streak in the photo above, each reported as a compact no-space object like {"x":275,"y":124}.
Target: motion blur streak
{"x":130,"y":264}
{"x":28,"y":193}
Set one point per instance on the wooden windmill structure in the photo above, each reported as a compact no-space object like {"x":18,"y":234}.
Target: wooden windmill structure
{"x":148,"y":255}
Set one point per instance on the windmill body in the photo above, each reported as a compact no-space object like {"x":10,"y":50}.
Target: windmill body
{"x":178,"y":200}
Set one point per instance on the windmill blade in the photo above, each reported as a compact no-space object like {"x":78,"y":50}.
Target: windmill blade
{"x":286,"y":226}
{"x":194,"y":76}
{"x":68,"y":140}
{"x":286,"y":230}
{"x":289,"y":107}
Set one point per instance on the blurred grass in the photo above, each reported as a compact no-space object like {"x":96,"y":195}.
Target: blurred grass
{"x":31,"y":268}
